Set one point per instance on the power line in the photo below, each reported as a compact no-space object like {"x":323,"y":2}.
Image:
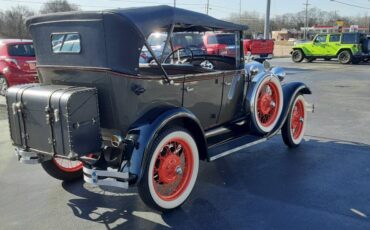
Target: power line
{"x":350,"y":4}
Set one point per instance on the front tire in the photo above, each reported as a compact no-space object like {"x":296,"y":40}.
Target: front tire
{"x":345,"y":57}
{"x":171,"y":170}
{"x":63,"y":169}
{"x":268,"y":105}
{"x":297,"y":56}
{"x":295,"y":125}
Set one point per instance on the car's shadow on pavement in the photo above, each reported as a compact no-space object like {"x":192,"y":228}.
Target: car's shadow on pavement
{"x":323,"y":184}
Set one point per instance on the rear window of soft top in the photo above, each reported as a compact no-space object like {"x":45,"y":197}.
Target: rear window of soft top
{"x":21,"y":50}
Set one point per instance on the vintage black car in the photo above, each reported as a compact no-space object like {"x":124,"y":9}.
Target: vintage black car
{"x":100,"y":115}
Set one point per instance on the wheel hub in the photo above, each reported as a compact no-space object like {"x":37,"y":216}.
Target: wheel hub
{"x":170,"y":168}
{"x":266,"y":104}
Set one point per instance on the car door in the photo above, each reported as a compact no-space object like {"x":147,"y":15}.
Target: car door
{"x":333,"y":44}
{"x":203,"y":96}
{"x":317,"y":47}
{"x":232,"y":98}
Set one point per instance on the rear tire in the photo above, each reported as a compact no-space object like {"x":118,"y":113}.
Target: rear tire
{"x":3,"y":85}
{"x":345,"y":57}
{"x":297,"y":56}
{"x":171,"y":170}
{"x":295,"y":125}
{"x":62,"y":169}
{"x":366,"y":59}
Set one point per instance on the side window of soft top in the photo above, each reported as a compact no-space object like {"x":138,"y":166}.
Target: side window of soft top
{"x":334,"y":38}
{"x":320,"y":38}
{"x":66,"y":43}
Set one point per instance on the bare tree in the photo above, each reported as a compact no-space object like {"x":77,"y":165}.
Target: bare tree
{"x":54,"y":6}
{"x":13,"y":22}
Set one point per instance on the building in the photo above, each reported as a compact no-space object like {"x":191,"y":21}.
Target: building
{"x":317,"y":29}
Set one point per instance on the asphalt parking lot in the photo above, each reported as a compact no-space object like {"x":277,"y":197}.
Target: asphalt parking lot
{"x":323,"y":184}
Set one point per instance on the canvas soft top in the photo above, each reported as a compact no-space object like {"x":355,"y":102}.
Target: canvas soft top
{"x":113,"y":38}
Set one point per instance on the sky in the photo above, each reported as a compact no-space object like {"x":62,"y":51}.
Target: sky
{"x":218,"y":8}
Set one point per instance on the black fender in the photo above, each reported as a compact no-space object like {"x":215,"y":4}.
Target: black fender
{"x":339,"y":51}
{"x":290,"y":90}
{"x":298,"y":48}
{"x":147,"y":128}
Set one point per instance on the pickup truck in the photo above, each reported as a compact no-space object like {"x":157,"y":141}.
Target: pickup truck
{"x":259,"y":49}
{"x":223,"y":44}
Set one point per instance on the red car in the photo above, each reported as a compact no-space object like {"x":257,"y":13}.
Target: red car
{"x":17,"y":63}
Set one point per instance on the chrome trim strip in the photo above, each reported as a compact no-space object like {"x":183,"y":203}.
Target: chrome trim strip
{"x":216,"y":132}
{"x":228,"y":152}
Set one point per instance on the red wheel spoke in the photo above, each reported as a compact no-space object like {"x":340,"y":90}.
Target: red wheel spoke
{"x":170,"y":173}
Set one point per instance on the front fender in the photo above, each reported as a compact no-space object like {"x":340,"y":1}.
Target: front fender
{"x":290,"y":90}
{"x":149,"y":126}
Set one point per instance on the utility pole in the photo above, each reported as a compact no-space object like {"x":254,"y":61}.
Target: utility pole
{"x":306,"y":23}
{"x":266,"y":33}
{"x":240,"y":12}
{"x":207,"y":7}
{"x":174,"y":3}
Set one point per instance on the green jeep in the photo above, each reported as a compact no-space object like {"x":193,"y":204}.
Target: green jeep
{"x":347,"y":47}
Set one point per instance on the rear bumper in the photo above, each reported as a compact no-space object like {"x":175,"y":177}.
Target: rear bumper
{"x":362,"y":55}
{"x":261,"y":56}
{"x":106,"y":177}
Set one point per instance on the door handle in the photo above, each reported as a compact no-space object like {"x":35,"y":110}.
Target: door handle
{"x":189,"y":89}
{"x":227,"y":83}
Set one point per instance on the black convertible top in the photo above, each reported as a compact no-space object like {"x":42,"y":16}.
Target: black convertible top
{"x":113,"y":38}
{"x":146,"y":19}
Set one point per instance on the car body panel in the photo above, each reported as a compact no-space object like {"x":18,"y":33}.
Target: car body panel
{"x":259,"y":48}
{"x":15,"y":68}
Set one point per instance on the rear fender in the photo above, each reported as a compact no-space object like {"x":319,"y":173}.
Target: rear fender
{"x":290,"y":91}
{"x":147,"y":128}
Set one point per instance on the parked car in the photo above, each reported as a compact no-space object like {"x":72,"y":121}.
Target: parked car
{"x":115,"y":122}
{"x":347,"y":47}
{"x":259,"y":49}
{"x":17,"y":63}
{"x":189,"y":40}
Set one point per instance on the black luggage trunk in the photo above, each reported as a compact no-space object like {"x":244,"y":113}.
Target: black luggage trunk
{"x":54,"y":119}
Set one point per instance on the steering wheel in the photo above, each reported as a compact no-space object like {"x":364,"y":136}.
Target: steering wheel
{"x":180,"y":61}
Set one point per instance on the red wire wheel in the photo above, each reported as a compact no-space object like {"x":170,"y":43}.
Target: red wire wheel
{"x":268,"y":105}
{"x":297,"y":119}
{"x":172,"y":170}
{"x":294,"y":127}
{"x":68,"y":165}
{"x":63,"y":169}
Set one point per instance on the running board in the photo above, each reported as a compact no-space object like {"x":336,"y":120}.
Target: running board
{"x":106,"y":178}
{"x":229,"y":147}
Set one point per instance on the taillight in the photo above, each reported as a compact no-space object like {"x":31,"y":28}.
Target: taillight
{"x":11,"y":62}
